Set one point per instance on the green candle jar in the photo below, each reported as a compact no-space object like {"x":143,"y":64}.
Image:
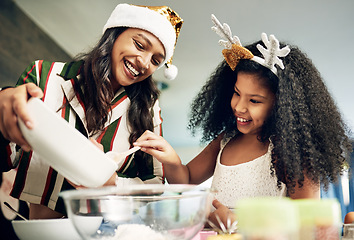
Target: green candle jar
{"x":267,"y":219}
{"x":319,"y":219}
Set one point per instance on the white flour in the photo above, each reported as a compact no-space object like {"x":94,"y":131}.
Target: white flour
{"x":136,"y":231}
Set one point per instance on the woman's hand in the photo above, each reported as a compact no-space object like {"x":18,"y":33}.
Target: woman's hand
{"x":13,"y":106}
{"x":223,"y":213}
{"x":158,"y":147}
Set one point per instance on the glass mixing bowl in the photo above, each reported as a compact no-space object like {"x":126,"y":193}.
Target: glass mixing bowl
{"x":150,"y":211}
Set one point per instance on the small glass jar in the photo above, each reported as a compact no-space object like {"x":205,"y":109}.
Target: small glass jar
{"x":319,"y":219}
{"x":348,"y":231}
{"x":267,"y":218}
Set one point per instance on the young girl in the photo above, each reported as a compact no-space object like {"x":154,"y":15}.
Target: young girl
{"x":108,"y":95}
{"x":274,"y":131}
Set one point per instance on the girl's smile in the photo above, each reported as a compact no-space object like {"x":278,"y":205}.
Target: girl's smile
{"x":242,"y":120}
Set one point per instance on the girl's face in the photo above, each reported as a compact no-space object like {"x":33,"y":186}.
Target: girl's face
{"x":136,"y":54}
{"x":251,"y":103}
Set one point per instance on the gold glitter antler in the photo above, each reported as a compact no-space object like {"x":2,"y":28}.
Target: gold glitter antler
{"x":272,"y":53}
{"x":233,"y":51}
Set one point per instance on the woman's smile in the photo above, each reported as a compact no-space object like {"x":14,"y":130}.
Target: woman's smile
{"x":136,"y":54}
{"x":131,"y":69}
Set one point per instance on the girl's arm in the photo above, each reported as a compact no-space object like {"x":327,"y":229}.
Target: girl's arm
{"x":195,"y":172}
{"x":202,"y":166}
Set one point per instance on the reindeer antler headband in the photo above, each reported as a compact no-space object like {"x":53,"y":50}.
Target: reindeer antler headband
{"x":234,"y":51}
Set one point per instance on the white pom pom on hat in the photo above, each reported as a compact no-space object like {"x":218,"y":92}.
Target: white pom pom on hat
{"x":161,"y":21}
{"x":171,"y":72}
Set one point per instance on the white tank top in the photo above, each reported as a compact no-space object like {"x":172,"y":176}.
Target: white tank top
{"x":250,"y":179}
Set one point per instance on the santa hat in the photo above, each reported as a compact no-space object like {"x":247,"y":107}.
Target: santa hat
{"x":161,"y":21}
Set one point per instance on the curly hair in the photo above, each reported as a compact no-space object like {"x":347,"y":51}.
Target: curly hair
{"x":96,"y":92}
{"x":305,"y":126}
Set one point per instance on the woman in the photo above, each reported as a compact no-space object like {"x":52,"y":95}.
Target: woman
{"x":107,"y":94}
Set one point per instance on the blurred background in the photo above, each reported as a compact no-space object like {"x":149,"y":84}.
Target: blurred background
{"x":59,"y":30}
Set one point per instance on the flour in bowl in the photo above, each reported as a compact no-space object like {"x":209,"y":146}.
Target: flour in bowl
{"x":136,"y":231}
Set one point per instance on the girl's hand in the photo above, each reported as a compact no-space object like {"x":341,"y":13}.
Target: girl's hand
{"x":13,"y":106}
{"x":223,"y":213}
{"x":158,"y":147}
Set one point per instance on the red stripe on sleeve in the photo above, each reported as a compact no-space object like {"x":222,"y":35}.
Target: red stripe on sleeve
{"x":45,"y":192}
{"x":40,"y":63}
{"x":64,"y":108}
{"x":123,"y":165}
{"x":99,"y":139}
{"x":119,"y":101}
{"x":28,"y":73}
{"x":8,"y":158}
{"x":88,"y":205}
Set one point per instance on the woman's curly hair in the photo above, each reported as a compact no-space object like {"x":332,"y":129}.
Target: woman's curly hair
{"x":305,"y":126}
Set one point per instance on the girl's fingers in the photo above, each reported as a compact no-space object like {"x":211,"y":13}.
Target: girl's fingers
{"x":146,"y":143}
{"x":153,"y":152}
{"x":159,"y":145}
{"x":150,"y":140}
{"x":147,"y":135}
{"x":216,"y":203}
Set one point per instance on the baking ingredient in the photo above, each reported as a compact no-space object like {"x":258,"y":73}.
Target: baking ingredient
{"x":137,"y":231}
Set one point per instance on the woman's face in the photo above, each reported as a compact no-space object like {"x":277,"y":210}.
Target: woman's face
{"x":136,"y":54}
{"x":251,"y":103}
